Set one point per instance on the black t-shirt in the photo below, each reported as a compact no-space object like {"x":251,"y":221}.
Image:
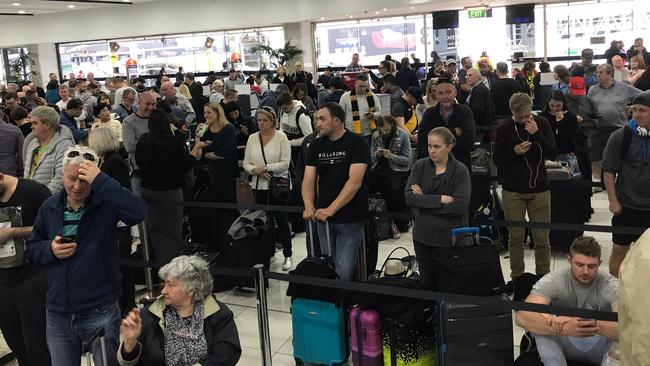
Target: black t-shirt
{"x":332,"y":160}
{"x":29,"y":196}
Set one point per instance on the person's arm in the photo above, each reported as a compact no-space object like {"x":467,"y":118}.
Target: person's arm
{"x":129,"y":139}
{"x":307,"y":190}
{"x":250,"y":145}
{"x":38,"y":247}
{"x":608,"y":329}
{"x":537,"y":323}
{"x":350,"y":189}
{"x":346,"y":104}
{"x":615,"y":206}
{"x":130,"y":208}
{"x":375,"y":79}
{"x":377,"y":113}
{"x":405,"y":155}
{"x":461,"y":186}
{"x":467,"y":130}
{"x":419,"y":200}
{"x":282,"y":165}
{"x":224,"y":348}
{"x":374,"y":146}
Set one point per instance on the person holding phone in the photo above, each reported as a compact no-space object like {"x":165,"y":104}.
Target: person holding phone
{"x":523,"y":142}
{"x":361,"y":108}
{"x":74,"y":237}
{"x":561,"y":338}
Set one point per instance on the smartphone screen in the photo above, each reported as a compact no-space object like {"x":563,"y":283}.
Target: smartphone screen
{"x":66,"y":240}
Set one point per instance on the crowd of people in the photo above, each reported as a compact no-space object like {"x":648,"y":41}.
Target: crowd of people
{"x":81,"y":163}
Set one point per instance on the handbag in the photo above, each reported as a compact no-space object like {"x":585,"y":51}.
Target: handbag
{"x":280,"y":187}
{"x":245,"y":193}
{"x":469,"y":270}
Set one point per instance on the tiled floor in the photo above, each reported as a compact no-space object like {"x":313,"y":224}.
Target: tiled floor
{"x":243,"y":303}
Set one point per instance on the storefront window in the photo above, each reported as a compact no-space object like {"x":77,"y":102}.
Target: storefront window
{"x":201,"y":52}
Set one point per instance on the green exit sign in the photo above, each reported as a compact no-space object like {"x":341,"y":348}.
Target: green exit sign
{"x":477,"y":13}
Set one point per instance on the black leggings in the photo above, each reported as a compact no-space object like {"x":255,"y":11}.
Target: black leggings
{"x":425,"y":254}
{"x":263,"y":197}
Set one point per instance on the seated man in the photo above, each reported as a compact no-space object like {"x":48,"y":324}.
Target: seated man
{"x":74,"y":237}
{"x":560,"y":338}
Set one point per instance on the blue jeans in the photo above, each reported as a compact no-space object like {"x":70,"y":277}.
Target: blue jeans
{"x":345,"y":240}
{"x":66,"y":332}
{"x":557,"y":350}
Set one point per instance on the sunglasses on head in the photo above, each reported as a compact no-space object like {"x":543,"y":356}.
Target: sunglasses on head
{"x":86,"y":156}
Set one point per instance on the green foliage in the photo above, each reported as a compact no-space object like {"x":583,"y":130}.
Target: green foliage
{"x":280,"y":56}
{"x":23,"y":68}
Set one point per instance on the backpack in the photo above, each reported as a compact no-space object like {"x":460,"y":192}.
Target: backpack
{"x":299,"y":113}
{"x":627,"y":141}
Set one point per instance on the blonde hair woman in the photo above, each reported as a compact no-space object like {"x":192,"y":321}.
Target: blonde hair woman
{"x":222,"y":152}
{"x":268,"y":154}
{"x":183,"y":89}
{"x":637,"y":68}
{"x":281,"y":77}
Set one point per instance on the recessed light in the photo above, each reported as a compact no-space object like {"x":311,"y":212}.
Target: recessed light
{"x":385,"y":9}
{"x":15,"y":4}
{"x":322,"y":18}
{"x":71,"y":6}
{"x":376,"y":12}
{"x":412,"y":7}
{"x":21,"y":12}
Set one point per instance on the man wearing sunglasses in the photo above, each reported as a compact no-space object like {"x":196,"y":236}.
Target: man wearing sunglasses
{"x":74,"y":237}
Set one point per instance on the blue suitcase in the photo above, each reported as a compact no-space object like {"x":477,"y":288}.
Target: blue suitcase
{"x":319,"y":332}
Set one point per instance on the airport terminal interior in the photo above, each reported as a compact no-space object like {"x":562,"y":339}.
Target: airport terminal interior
{"x":140,"y":40}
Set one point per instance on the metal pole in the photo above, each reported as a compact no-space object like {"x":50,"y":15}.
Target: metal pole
{"x":426,"y":44}
{"x":545,"y":36}
{"x":262,"y":314}
{"x":146,"y":251}
{"x":363,"y":266}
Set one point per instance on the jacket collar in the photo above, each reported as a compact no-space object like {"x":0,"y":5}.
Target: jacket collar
{"x":210,"y":307}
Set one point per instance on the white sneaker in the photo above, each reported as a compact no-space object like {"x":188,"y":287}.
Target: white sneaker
{"x":287,"y":264}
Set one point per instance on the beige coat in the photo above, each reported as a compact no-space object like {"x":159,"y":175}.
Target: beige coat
{"x":634,"y":304}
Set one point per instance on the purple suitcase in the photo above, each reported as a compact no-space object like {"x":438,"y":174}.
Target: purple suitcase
{"x":365,"y":326}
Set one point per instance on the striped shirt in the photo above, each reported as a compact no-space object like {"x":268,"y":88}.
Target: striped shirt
{"x":71,"y":220}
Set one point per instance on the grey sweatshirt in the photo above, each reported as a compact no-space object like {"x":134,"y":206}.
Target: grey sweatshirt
{"x":433,"y":219}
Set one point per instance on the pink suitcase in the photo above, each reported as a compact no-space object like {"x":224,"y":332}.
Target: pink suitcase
{"x":365,"y":326}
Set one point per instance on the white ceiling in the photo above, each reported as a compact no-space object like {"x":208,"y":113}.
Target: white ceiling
{"x":39,"y":7}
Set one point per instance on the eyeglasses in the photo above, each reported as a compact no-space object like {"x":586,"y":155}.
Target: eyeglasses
{"x":86,"y":156}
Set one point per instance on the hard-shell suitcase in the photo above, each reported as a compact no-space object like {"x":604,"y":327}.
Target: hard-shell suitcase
{"x":319,"y":332}
{"x":469,"y":335}
{"x":365,"y":338}
{"x":319,"y":327}
{"x":569,"y":201}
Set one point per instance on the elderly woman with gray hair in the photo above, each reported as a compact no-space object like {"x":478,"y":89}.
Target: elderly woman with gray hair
{"x":185,"y":326}
{"x":43,"y":149}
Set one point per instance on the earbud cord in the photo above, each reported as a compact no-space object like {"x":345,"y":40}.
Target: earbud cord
{"x":532,"y":181}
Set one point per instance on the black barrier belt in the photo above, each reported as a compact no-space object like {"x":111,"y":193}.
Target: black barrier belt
{"x":408,"y":216}
{"x":416,"y":294}
{"x":439,"y":296}
{"x":574,"y":182}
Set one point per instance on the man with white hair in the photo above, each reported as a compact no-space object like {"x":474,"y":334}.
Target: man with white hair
{"x":74,"y":236}
{"x":168,"y":91}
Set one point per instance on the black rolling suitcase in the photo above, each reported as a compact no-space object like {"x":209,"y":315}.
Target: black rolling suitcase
{"x":471,"y":335}
{"x":569,"y":200}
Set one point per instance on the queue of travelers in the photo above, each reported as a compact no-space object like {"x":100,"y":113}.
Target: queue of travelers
{"x":85,"y":166}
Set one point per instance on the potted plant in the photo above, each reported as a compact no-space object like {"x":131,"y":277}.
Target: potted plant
{"x":280,"y":56}
{"x":22,"y":68}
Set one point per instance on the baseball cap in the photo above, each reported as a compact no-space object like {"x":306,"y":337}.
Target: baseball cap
{"x":588,"y":53}
{"x":416,"y":92}
{"x":451,"y":61}
{"x":577,"y":85}
{"x":643,"y":99}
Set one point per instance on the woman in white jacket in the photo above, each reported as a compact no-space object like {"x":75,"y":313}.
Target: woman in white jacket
{"x":267,"y":155}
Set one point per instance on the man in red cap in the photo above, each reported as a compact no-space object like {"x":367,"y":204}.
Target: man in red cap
{"x":586,"y":111}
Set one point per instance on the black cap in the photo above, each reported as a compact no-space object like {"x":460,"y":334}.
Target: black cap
{"x":416,"y":92}
{"x":588,"y":53}
{"x":643,"y":99}
{"x":74,"y":103}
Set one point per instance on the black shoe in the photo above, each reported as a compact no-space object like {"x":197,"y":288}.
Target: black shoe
{"x":510,"y":288}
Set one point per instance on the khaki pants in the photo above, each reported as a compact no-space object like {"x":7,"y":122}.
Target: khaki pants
{"x":538,"y":206}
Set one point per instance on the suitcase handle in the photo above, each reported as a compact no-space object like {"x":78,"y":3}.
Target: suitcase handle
{"x":310,"y":225}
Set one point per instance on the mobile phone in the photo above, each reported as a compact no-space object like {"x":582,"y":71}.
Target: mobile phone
{"x":66,"y":240}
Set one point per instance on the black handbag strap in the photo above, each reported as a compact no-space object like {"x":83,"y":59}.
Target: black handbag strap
{"x":257,"y":181}
{"x":390,"y":258}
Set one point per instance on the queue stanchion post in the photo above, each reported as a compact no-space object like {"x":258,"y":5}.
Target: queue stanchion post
{"x":146,"y":252}
{"x":262,"y":313}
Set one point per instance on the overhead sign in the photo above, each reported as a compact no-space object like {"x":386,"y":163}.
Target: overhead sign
{"x":477,"y":13}
{"x":114,"y":58}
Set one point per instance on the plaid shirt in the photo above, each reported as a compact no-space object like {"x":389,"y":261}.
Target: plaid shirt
{"x":186,"y":106}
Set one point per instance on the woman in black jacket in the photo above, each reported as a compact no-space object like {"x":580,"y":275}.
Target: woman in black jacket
{"x":185,"y":326}
{"x":163,"y":162}
{"x":564,"y":125}
{"x":104,"y":142}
